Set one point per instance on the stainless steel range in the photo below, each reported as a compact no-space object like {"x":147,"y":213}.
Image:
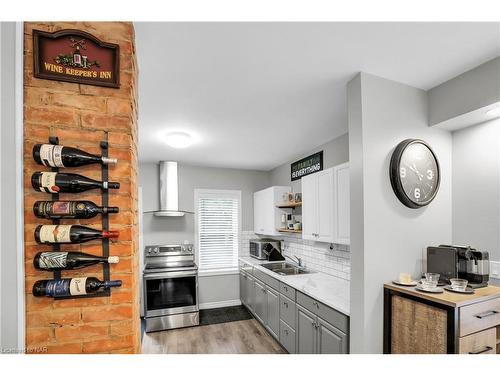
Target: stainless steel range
{"x":170,"y":283}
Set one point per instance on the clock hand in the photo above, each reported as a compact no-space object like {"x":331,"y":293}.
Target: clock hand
{"x":414,"y":169}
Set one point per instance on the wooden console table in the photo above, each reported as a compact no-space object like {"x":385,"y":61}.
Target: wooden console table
{"x":424,"y":323}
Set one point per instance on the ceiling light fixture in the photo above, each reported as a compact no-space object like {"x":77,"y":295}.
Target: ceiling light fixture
{"x":179,"y":140}
{"x":495,"y":112}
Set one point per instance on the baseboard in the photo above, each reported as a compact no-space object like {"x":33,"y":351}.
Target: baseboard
{"x":215,"y":305}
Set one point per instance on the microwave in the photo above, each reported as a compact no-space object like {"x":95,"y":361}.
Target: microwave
{"x":262,"y":248}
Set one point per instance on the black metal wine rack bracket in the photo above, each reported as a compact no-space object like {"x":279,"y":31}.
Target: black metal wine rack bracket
{"x":105,"y":224}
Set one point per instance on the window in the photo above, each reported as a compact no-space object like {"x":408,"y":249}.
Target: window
{"x":218,"y":226}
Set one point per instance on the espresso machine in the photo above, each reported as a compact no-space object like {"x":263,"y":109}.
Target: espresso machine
{"x":462,"y":262}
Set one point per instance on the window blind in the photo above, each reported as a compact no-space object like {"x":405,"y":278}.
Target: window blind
{"x":218,"y":230}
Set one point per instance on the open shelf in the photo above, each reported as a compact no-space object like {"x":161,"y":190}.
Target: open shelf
{"x":288,"y":230}
{"x":290,"y":205}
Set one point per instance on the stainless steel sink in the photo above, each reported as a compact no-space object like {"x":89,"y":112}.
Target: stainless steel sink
{"x":277,"y":266}
{"x":286,"y":269}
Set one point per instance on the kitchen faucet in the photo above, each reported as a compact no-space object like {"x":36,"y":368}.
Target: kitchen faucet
{"x":298,"y":261}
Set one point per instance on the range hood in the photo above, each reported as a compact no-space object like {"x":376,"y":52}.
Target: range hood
{"x":169,"y":191}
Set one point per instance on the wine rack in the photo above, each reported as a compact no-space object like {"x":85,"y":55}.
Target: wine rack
{"x":105,"y":225}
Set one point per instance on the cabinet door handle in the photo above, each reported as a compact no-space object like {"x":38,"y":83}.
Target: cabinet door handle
{"x":264,"y":291}
{"x":485,"y":349}
{"x":285,"y":304}
{"x":486,"y":314}
{"x":286,"y":289}
{"x":316,"y":304}
{"x":286,"y":331}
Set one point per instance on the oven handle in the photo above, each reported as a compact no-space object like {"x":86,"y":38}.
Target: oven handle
{"x":169,"y":275}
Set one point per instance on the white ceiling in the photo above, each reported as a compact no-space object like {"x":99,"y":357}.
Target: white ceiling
{"x":256,"y":95}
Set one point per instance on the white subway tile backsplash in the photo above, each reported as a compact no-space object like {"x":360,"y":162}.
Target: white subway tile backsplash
{"x":315,"y":255}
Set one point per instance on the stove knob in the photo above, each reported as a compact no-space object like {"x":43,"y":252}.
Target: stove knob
{"x":149,"y":251}
{"x":156,"y":250}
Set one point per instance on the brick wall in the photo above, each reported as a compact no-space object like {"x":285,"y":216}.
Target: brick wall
{"x":81,"y":116}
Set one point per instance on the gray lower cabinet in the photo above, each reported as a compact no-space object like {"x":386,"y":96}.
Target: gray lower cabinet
{"x":317,"y":336}
{"x":273,"y":312}
{"x":287,"y":337}
{"x":260,"y":306}
{"x":247,"y":290}
{"x":330,"y":339}
{"x":306,"y":331}
{"x":300,"y":323}
{"x":243,"y":288}
{"x":288,"y":311}
{"x":250,"y":292}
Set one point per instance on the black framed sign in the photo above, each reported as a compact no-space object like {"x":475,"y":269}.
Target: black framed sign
{"x":76,"y":56}
{"x":307,"y":165}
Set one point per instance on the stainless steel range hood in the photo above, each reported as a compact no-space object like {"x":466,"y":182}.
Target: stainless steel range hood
{"x":169,"y":191}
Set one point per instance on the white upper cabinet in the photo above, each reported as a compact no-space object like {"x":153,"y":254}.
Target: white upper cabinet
{"x":342,"y":210}
{"x":317,"y":206}
{"x":325,"y":205}
{"x":266,"y":217}
{"x":309,"y":206}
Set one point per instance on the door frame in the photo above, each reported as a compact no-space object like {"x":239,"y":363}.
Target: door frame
{"x":15,"y":108}
{"x":19,"y":87}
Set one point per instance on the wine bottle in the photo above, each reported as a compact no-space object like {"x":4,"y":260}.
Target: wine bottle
{"x":68,"y":260}
{"x":54,"y":182}
{"x":70,"y":234}
{"x":63,"y":156}
{"x":70,"y":209}
{"x":76,"y":286}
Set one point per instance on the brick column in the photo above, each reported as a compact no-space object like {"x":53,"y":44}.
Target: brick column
{"x":82,"y":116}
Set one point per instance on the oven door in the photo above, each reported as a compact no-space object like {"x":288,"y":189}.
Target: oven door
{"x":171,"y":292}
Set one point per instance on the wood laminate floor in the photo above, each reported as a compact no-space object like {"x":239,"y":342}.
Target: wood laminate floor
{"x":241,"y":337}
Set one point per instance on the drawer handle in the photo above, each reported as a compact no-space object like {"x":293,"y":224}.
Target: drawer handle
{"x":486,"y":314}
{"x":485,"y":349}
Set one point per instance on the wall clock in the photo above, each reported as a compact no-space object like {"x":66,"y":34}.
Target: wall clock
{"x":414,"y":172}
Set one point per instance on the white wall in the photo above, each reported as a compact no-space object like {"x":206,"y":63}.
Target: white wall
{"x":387,"y":237}
{"x":476,"y":187}
{"x":213,"y":290}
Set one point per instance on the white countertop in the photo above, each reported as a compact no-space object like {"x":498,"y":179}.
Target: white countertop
{"x":330,"y":290}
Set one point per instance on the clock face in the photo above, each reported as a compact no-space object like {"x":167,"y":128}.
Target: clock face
{"x":415,"y":174}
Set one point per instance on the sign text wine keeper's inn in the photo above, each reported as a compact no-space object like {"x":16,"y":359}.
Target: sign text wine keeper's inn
{"x":76,"y":56}
{"x":308,"y":165}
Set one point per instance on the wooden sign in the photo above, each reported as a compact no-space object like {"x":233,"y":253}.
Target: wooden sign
{"x":76,"y":56}
{"x":308,"y":165}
